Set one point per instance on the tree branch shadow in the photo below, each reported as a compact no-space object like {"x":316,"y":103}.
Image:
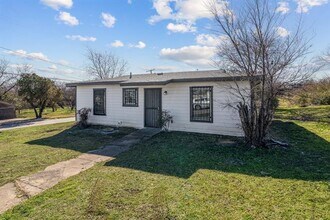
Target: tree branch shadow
{"x":182,"y":154}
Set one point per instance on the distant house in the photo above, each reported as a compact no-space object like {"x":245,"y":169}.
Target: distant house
{"x":7,"y":111}
{"x":195,"y":99}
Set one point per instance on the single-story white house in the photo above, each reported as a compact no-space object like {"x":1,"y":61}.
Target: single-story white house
{"x":195,"y":99}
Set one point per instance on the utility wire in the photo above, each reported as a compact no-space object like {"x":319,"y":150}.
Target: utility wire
{"x":52,"y":78}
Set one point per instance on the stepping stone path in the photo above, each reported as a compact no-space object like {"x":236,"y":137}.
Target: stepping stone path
{"x":13,"y":193}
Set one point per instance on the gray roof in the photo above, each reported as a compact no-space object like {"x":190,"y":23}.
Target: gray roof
{"x":164,"y":78}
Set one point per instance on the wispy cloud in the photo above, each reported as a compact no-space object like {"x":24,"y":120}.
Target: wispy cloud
{"x":281,"y":31}
{"x":283,"y":7}
{"x":183,"y":10}
{"x":194,"y":55}
{"x":305,"y":5}
{"x":80,"y":38}
{"x":57,"y":4}
{"x":117,"y":43}
{"x":32,"y":56}
{"x":108,"y":20}
{"x":181,"y":28}
{"x":67,"y":18}
{"x":139,"y":45}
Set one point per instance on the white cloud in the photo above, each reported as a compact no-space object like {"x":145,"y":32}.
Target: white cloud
{"x":181,"y":28}
{"x":39,"y":56}
{"x":67,"y":18}
{"x":181,"y":10}
{"x":163,"y":9}
{"x":139,"y":45}
{"x":80,"y":38}
{"x":63,"y":62}
{"x":208,"y":40}
{"x":129,"y":1}
{"x":283,"y":7}
{"x":31,"y":56}
{"x":281,"y":31}
{"x":67,"y":71}
{"x":305,"y":5}
{"x":57,"y":4}
{"x":52,"y":67}
{"x":117,"y":43}
{"x":194,"y":55}
{"x":108,"y":20}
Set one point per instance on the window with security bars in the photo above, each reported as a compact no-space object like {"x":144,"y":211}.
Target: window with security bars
{"x":99,"y":102}
{"x":201,"y":104}
{"x":130,"y":97}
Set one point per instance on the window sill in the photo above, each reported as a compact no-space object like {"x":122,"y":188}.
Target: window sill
{"x":202,"y":121}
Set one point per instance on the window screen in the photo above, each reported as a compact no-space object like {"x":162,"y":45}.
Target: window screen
{"x":201,"y":104}
{"x":99,"y":102}
{"x":130,"y":97}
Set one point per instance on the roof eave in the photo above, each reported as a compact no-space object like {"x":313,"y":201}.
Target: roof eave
{"x":206,"y":79}
{"x":165,"y":82}
{"x":93,"y":83}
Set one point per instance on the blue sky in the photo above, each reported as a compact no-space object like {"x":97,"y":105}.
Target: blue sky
{"x":168,"y":35}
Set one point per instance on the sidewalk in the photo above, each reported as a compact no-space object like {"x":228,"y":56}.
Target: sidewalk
{"x":23,"y":123}
{"x":13,"y":193}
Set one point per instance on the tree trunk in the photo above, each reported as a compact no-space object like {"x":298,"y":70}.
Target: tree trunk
{"x":41,"y":110}
{"x":36,"y":113}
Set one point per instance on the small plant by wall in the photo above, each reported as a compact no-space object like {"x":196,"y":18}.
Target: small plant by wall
{"x":165,"y":120}
{"x":83,"y":115}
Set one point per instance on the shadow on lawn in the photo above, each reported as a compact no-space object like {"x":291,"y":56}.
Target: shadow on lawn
{"x":81,"y":140}
{"x":182,"y":154}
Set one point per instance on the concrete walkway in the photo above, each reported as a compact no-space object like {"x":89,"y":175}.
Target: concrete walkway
{"x":22,"y":123}
{"x":13,"y":193}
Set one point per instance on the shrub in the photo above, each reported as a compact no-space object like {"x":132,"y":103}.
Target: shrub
{"x":83,"y":115}
{"x":165,"y":119}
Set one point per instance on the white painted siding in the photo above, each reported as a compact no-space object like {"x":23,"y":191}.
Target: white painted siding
{"x":177,"y":101}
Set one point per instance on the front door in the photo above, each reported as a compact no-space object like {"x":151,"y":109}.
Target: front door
{"x":152,"y":107}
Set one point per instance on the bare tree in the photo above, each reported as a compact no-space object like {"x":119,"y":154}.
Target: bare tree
{"x":7,"y":79}
{"x":324,"y":60}
{"x":105,"y":65}
{"x":24,"y":68}
{"x":253,"y":46}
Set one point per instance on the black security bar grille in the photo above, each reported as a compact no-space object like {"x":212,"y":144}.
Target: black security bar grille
{"x":130,"y":97}
{"x":201,"y":104}
{"x":99,"y":102}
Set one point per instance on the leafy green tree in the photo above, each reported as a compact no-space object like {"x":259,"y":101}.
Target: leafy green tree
{"x":38,"y":91}
{"x":56,"y":98}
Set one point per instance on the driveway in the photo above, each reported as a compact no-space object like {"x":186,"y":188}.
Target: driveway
{"x":22,"y":123}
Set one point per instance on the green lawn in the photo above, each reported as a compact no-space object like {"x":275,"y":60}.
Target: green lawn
{"x":191,"y":176}
{"x":48,"y":113}
{"x":28,"y":150}
{"x":310,"y":113}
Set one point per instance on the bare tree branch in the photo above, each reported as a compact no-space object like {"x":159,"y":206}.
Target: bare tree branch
{"x":253,"y":47}
{"x":105,"y":65}
{"x":7,"y":79}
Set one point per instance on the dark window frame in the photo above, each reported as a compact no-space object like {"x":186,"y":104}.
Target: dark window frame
{"x":105,"y":103}
{"x":191,"y":104}
{"x":137,"y":97}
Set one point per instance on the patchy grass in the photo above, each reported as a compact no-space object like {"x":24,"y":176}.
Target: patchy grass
{"x":48,"y":113}
{"x":310,"y":113}
{"x":191,"y":176}
{"x":28,"y":150}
